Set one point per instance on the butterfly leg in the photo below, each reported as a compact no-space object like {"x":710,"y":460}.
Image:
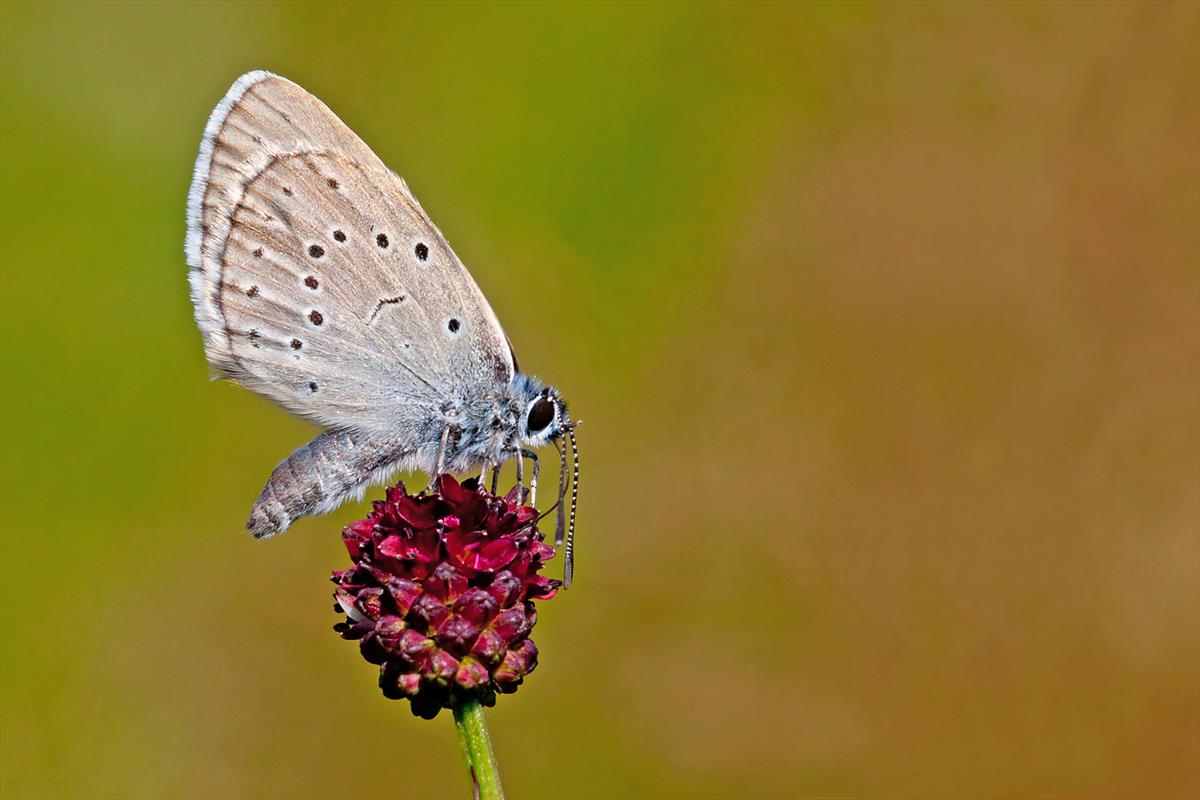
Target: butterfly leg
{"x":533,"y":480}
{"x":439,"y":463}
{"x":520,"y":479}
{"x":495,"y":478}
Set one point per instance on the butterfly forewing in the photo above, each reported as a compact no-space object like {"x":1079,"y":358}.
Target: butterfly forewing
{"x":317,"y":278}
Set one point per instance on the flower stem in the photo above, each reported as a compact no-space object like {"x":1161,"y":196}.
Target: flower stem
{"x":477,"y":749}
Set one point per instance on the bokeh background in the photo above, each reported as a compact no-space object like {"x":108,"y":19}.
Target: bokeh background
{"x":883,"y":319}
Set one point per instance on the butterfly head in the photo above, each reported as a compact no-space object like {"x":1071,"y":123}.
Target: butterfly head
{"x":545,"y":419}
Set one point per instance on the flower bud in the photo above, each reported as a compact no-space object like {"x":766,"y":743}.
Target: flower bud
{"x":440,"y":593}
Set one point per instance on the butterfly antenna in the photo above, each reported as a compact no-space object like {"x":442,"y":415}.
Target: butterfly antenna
{"x":561,"y":523}
{"x":569,"y":553}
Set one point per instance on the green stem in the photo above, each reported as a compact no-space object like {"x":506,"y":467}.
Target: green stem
{"x":477,"y":749}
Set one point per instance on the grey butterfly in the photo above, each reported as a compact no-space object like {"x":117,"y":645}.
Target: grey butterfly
{"x":320,"y":283}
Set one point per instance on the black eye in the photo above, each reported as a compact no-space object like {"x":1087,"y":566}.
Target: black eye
{"x":541,"y":415}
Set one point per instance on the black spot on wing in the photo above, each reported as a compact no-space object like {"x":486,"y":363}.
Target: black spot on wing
{"x":385,"y":302}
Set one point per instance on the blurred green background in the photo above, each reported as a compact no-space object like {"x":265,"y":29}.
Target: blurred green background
{"x":883,"y":319}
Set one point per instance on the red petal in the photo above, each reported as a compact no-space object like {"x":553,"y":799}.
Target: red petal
{"x":470,"y":674}
{"x":395,"y":547}
{"x":496,"y":555}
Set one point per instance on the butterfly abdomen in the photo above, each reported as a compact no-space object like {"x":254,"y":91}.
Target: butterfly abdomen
{"x":324,"y":473}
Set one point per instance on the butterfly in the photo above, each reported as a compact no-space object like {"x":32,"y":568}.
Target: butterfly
{"x":320,"y":283}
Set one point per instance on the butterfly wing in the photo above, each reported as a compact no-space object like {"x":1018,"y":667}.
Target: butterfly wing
{"x":318,"y":281}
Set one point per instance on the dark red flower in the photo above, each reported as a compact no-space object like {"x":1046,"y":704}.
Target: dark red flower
{"x":441,"y":593}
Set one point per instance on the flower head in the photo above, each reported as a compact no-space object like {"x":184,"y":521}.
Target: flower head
{"x":441,"y":593}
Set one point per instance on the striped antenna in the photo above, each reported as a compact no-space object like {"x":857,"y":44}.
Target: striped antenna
{"x":569,"y":553}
